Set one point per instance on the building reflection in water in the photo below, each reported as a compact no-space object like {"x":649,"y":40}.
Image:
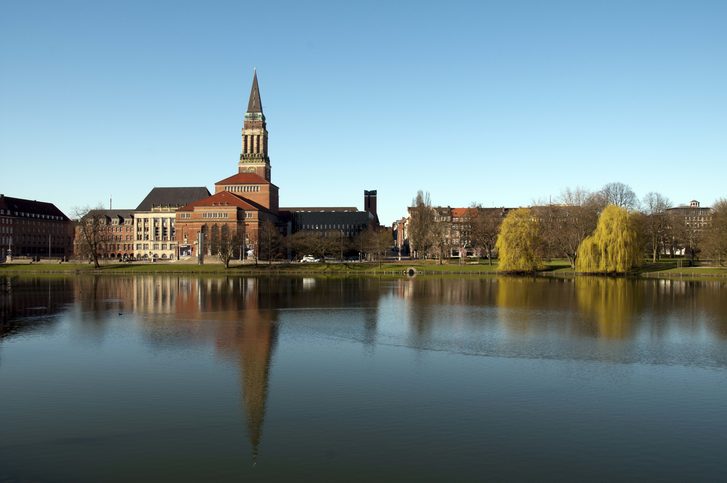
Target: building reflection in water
{"x":234,"y":313}
{"x":239,"y":315}
{"x":28,"y":304}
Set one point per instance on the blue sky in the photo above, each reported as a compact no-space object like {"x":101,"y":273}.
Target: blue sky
{"x":501,"y":103}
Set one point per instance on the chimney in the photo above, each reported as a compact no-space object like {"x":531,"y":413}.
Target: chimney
{"x":370,"y":204}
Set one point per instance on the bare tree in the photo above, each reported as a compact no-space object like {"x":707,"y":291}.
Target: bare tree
{"x":421,"y":225}
{"x":441,"y":233}
{"x":318,"y":244}
{"x":619,"y":194}
{"x":269,"y":241}
{"x":715,"y":239}
{"x":565,"y":225}
{"x":480,"y":228}
{"x":375,"y":242}
{"x":91,"y":233}
{"x":677,"y":234}
{"x":227,"y":244}
{"x":655,"y":223}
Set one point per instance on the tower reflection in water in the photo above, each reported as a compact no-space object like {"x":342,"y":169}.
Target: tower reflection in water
{"x":234,"y":313}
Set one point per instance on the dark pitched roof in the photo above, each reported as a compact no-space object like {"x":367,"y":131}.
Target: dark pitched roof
{"x":174,"y":197}
{"x":244,"y":178}
{"x":319,"y":209}
{"x":19,"y":205}
{"x":224,"y":198}
{"x":303,"y":218}
{"x":122,"y":213}
{"x":255,"y":104}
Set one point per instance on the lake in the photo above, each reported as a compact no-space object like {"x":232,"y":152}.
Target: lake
{"x":189,"y":378}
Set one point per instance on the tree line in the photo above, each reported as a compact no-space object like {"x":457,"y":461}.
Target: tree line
{"x":609,"y":230}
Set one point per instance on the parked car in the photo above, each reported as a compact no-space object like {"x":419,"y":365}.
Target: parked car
{"x":309,"y":259}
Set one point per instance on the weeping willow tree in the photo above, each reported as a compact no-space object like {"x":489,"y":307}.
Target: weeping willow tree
{"x":518,"y":244}
{"x":613,"y":246}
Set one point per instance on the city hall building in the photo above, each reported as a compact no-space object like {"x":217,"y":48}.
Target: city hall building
{"x":248,"y":200}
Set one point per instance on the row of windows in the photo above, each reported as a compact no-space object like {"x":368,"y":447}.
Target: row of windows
{"x":215,"y":215}
{"x":185,"y":215}
{"x":244,"y":189}
{"x":332,"y":227}
{"x":155,"y":246}
{"x":120,"y":246}
{"x":30,"y":215}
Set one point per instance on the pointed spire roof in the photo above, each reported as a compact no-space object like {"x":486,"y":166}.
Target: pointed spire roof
{"x":255,"y":104}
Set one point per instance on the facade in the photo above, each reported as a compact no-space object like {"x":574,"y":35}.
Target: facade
{"x":696,"y":219}
{"x":222,"y":216}
{"x":34,"y":229}
{"x":453,"y":225}
{"x":349,"y":221}
{"x":243,"y":202}
{"x":155,"y":218}
{"x":117,"y":233}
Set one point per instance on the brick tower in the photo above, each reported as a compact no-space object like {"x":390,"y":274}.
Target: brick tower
{"x":254,"y":157}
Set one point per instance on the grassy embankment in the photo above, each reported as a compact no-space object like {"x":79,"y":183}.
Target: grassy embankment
{"x":664,"y":269}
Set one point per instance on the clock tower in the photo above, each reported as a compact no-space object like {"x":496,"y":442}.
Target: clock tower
{"x":254,"y":157}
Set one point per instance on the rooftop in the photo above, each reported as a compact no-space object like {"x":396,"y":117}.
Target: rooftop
{"x":172,"y":197}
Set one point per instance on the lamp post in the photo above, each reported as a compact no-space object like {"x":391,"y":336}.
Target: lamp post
{"x":200,"y":248}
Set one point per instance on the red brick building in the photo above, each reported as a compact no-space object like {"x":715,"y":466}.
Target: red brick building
{"x":118,"y":233}
{"x":34,"y":229}
{"x":243,"y":201}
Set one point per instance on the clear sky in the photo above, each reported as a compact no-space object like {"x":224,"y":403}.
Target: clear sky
{"x":497,"y":102}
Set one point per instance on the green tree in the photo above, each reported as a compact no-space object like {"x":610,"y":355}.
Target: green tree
{"x":613,"y":246}
{"x":519,"y":244}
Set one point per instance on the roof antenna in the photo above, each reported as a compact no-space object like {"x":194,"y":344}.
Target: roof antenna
{"x":111,"y":201}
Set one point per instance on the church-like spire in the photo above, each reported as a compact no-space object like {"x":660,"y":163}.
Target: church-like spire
{"x":254,"y":156}
{"x":254,"y":104}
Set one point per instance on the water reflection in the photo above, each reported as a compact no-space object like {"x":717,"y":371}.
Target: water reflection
{"x":241,"y":318}
{"x":611,"y":305}
{"x":28,"y":304}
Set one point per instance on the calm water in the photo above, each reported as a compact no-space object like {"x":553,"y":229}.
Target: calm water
{"x":183,"y":378}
